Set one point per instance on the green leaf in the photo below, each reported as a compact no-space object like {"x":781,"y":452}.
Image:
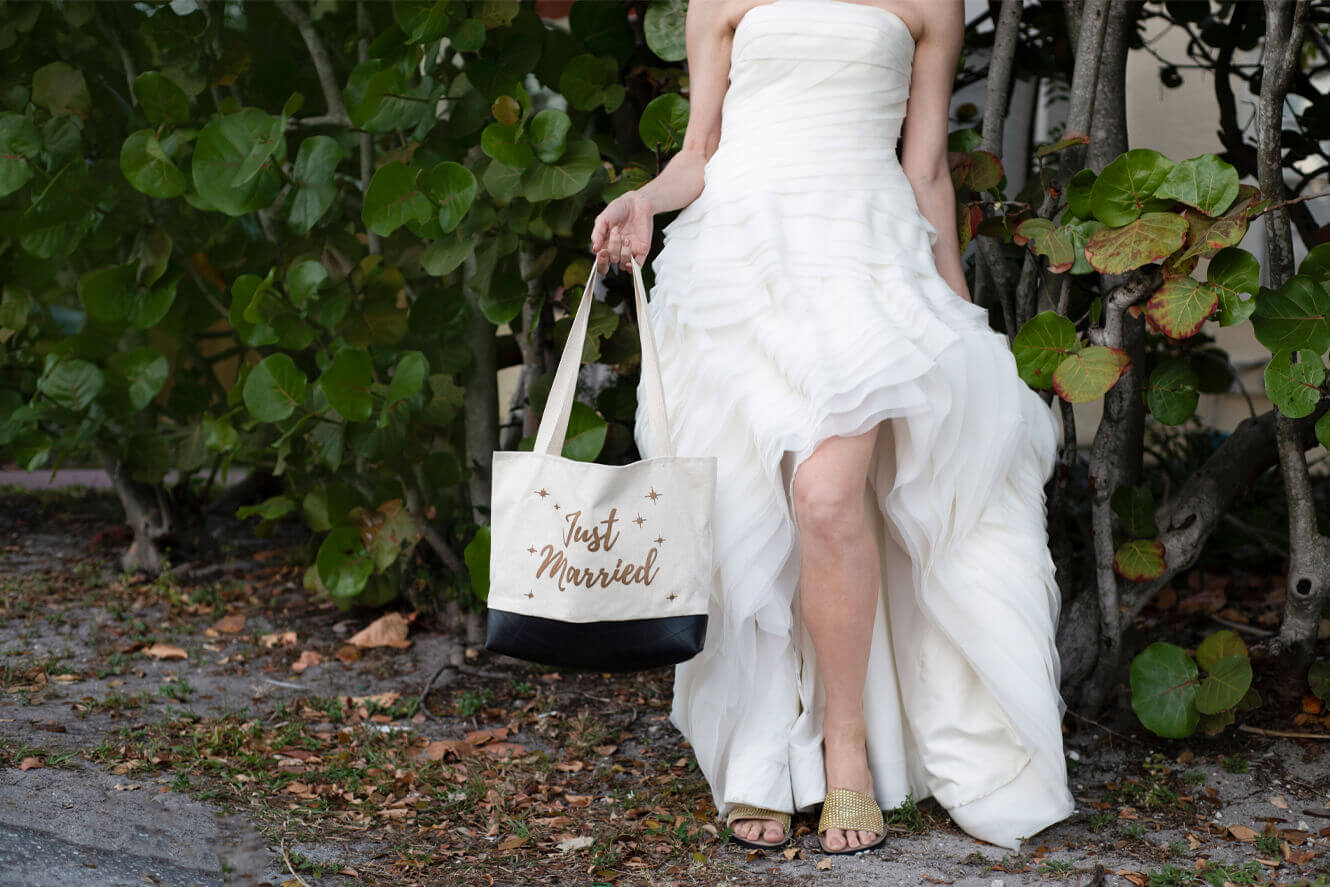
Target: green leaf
{"x":316,"y":161}
{"x":1295,"y":388}
{"x":1293,"y":316}
{"x":1049,"y":240}
{"x":1041,"y":345}
{"x":61,"y":90}
{"x":1135,"y":507}
{"x":477,"y":557}
{"x":303,"y":280}
{"x":145,"y":370}
{"x":453,"y":187}
{"x":72,"y":383}
{"x":409,"y":377}
{"x":1163,"y":690}
{"x":19,"y":141}
{"x":1179,"y":308}
{"x":1173,"y":391}
{"x":1232,"y":272}
{"x":423,"y":21}
{"x":1219,"y":645}
{"x":346,"y":383}
{"x":160,"y":99}
{"x":572,"y":172}
{"x":504,"y":143}
{"x":663,"y":123}
{"x":269,"y":509}
{"x":1139,"y":560}
{"x":548,"y":132}
{"x":1318,"y":676}
{"x":393,"y":199}
{"x":1089,"y":373}
{"x":147,"y":167}
{"x":233,"y":161}
{"x":344,"y":563}
{"x":586,"y":81}
{"x":1148,"y":239}
{"x":1121,"y":190}
{"x":275,"y":388}
{"x":444,"y":256}
{"x":1080,"y":192}
{"x":108,"y":293}
{"x":1062,"y":144}
{"x":975,"y":170}
{"x":1316,"y":264}
{"x":1225,"y":685}
{"x":1205,"y":182}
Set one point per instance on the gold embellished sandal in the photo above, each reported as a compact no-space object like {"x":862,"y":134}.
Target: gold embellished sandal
{"x":848,"y":809}
{"x":747,"y":811}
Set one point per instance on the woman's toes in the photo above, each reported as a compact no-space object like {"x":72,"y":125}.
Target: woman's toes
{"x":866,"y":838}
{"x":835,"y":839}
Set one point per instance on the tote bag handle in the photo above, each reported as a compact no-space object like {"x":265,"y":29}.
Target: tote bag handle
{"x":559,"y":404}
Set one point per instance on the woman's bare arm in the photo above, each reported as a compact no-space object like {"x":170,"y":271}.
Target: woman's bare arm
{"x":924,"y":140}
{"x":623,"y":228}
{"x":709,"y":36}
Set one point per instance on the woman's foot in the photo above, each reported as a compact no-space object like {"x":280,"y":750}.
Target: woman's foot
{"x":847,"y":767}
{"x":759,"y":829}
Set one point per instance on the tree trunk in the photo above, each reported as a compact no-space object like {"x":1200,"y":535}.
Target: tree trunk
{"x":1309,"y":551}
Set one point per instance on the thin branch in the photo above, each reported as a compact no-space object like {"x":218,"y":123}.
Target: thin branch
{"x":318,"y":53}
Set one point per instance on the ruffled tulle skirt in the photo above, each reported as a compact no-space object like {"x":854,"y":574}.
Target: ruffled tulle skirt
{"x":785,"y":315}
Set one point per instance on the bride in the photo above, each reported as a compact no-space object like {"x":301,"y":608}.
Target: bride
{"x":882,"y":620}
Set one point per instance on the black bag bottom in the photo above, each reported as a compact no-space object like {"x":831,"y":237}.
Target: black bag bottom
{"x":616,"y":646}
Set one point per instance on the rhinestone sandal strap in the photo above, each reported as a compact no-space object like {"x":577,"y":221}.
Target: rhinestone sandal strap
{"x":848,"y":809}
{"x":747,"y":811}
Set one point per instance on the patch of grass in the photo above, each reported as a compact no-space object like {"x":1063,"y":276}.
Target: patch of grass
{"x":1169,"y":876}
{"x":1134,"y":830}
{"x":1217,"y":874}
{"x":468,"y":702}
{"x":1102,"y":820}
{"x":907,"y":815}
{"x":1235,"y":764}
{"x":180,"y":690}
{"x":1194,"y":777}
{"x":1268,"y":843}
{"x":1056,"y":867}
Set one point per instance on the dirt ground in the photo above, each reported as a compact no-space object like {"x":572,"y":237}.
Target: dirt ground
{"x":220,"y":728}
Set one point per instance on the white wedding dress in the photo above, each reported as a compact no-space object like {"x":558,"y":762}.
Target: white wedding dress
{"x":796,"y":299}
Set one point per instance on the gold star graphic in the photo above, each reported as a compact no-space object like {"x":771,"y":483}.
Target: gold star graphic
{"x":659,"y":540}
{"x":542,"y":492}
{"x":653,"y":495}
{"x":673,"y":595}
{"x":639,"y":520}
{"x":556,"y":506}
{"x":530,"y":594}
{"x":532,"y":549}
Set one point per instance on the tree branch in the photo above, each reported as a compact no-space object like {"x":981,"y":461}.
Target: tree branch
{"x":318,"y":53}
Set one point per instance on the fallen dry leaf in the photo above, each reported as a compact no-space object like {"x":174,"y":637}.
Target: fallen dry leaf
{"x":307,"y":658}
{"x":1242,"y":832}
{"x":384,"y":699}
{"x":577,"y":843}
{"x":348,"y":653}
{"x":512,"y":842}
{"x":278,"y":639}
{"x":439,"y":749}
{"x":233,"y":623}
{"x":126,"y":787}
{"x":31,"y":764}
{"x":1278,"y":801}
{"x":389,"y":630}
{"x":824,"y":864}
{"x":165,"y":651}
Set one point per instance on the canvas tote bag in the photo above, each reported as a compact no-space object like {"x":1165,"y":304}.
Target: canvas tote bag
{"x":600,"y":567}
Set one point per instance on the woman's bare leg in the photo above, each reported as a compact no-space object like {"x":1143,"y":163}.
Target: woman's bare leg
{"x":838,"y":587}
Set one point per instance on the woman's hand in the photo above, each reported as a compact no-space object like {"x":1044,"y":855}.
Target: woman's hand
{"x":622,"y":230}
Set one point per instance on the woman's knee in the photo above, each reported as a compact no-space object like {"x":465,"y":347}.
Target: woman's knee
{"x":828,"y":494}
